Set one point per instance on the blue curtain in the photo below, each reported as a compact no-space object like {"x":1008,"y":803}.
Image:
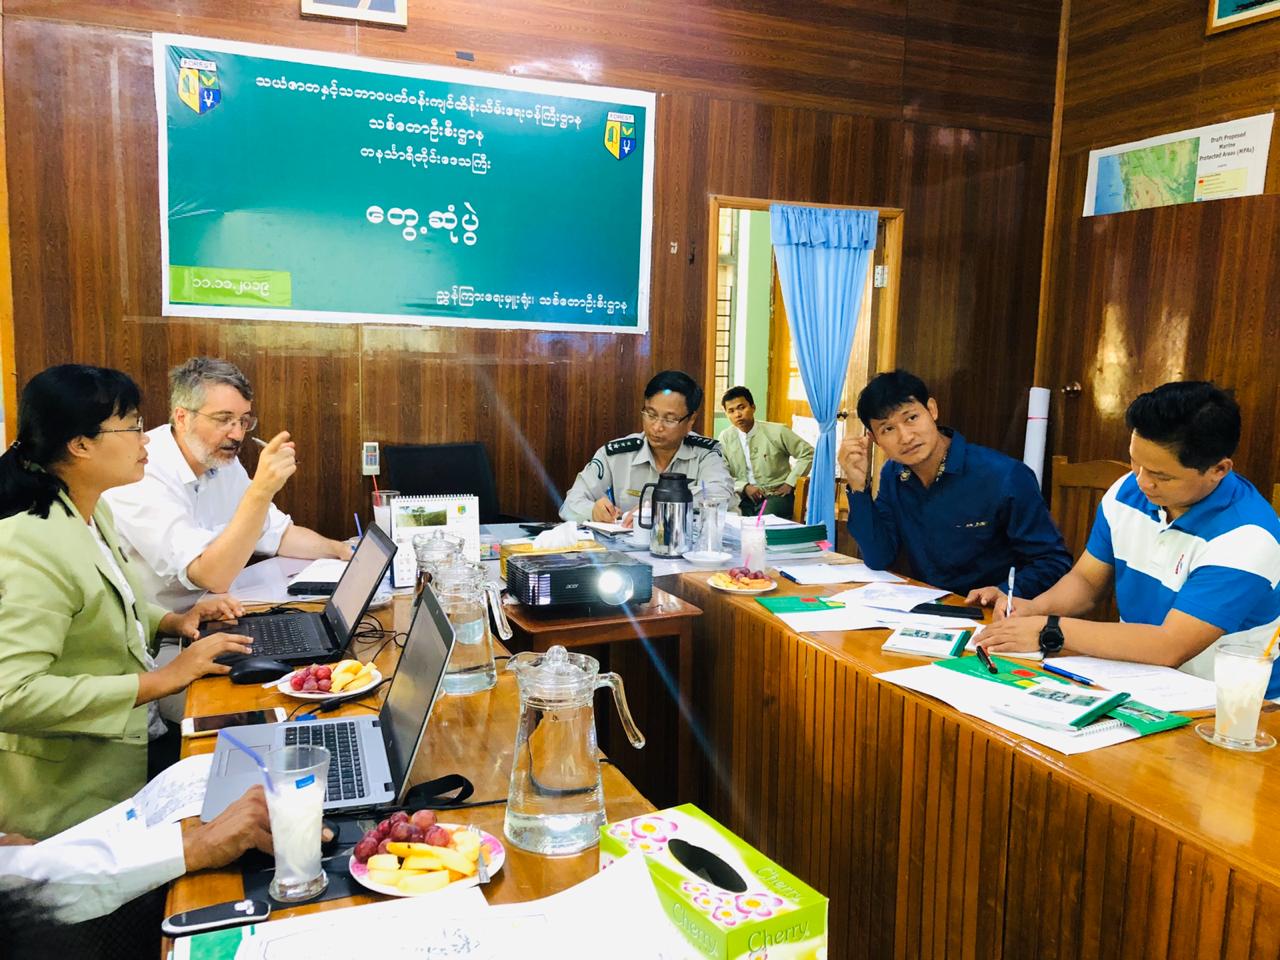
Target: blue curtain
{"x":823,"y":256}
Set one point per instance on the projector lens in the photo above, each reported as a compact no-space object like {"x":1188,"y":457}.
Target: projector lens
{"x":615,"y":587}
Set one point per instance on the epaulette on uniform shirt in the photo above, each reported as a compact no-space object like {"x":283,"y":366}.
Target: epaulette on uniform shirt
{"x":706,"y":443}
{"x":624,"y":445}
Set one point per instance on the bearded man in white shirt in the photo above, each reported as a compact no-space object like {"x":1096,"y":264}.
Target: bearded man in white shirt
{"x":195,"y":519}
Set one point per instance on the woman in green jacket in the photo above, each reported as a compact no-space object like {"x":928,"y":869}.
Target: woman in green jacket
{"x":76,"y":634}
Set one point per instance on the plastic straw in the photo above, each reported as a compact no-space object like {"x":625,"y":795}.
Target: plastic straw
{"x":375,"y":482}
{"x":253,"y":755}
{"x":1272,"y":645}
{"x":760,"y":516}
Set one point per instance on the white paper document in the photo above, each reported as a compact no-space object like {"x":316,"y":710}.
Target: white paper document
{"x":615,"y":912}
{"x":734,"y":521}
{"x":455,"y":921}
{"x":324,"y":570}
{"x":978,"y":698}
{"x":1162,"y":687}
{"x":175,"y":794}
{"x":267,"y":581}
{"x":889,"y":596}
{"x":838,"y":619}
{"x":813,"y":574}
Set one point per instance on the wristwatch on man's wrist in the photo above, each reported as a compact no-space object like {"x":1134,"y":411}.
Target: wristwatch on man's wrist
{"x":1051,"y":638}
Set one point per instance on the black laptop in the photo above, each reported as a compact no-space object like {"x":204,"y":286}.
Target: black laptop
{"x":302,"y":637}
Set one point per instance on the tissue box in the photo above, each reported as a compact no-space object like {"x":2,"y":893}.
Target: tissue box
{"x":526,"y":546}
{"x":727,"y":898}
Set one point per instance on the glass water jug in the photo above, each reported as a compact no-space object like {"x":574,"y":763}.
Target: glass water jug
{"x":556,"y":801}
{"x":466,"y":596}
{"x":432,"y":551}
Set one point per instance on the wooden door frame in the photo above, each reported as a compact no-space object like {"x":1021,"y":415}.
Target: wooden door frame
{"x":886,"y":318}
{"x":8,"y":359}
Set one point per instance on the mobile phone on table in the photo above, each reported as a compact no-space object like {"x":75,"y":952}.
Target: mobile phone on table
{"x":949,"y":610}
{"x":229,"y":914}
{"x":208,"y":726}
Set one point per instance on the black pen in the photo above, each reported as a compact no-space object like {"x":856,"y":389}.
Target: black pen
{"x":986,"y":660}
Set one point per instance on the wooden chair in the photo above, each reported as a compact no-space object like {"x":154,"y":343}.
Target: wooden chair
{"x":1074,"y":496}
{"x":1076,"y":491}
{"x":802,"y":499}
{"x":1275,"y":497}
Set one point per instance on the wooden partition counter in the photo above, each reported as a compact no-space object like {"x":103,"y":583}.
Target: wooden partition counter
{"x":473,"y":735}
{"x":936,"y":834}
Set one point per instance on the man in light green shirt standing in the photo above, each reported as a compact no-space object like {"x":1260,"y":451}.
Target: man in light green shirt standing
{"x":759,"y":455}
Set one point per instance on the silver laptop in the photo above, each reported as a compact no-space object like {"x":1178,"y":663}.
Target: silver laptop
{"x":300,"y":637}
{"x":370,"y":757}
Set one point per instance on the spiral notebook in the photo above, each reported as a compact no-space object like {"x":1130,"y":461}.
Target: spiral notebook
{"x":455,"y":514}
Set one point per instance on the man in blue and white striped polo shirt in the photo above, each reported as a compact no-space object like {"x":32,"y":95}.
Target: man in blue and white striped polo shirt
{"x":1193,"y":546}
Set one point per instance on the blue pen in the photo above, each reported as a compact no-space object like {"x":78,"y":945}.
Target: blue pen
{"x":609,"y":493}
{"x":359,"y":532}
{"x":1068,"y":674}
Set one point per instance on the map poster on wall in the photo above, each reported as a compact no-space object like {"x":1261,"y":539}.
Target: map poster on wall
{"x":1225,"y":14}
{"x":1208,"y":163}
{"x":305,"y":186}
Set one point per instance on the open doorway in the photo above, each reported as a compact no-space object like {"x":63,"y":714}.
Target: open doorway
{"x":748,"y":337}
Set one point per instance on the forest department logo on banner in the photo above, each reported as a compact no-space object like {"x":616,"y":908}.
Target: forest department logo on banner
{"x":198,"y":85}
{"x":620,"y":134}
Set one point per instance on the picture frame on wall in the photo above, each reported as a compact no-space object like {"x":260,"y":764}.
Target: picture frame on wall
{"x":1229,"y":14}
{"x":370,"y":11}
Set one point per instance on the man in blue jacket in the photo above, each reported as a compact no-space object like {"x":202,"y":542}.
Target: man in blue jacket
{"x":964,"y":514}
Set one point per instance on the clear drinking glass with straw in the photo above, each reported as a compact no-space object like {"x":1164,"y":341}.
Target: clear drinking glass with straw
{"x":295,"y":777}
{"x":753,"y":541}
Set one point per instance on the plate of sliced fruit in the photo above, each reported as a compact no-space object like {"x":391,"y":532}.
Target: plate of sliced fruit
{"x":320,"y":681}
{"x":742,"y":580}
{"x":436,"y":855}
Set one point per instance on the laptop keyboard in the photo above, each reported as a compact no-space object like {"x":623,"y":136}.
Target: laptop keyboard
{"x":342,"y":740}
{"x":283,"y":636}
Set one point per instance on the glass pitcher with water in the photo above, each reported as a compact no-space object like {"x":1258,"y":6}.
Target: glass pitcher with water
{"x":432,"y":551}
{"x":466,"y":596}
{"x":556,"y":802}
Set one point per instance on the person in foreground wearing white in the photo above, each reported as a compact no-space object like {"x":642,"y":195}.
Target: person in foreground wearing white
{"x":195,"y":518}
{"x":97,"y":866}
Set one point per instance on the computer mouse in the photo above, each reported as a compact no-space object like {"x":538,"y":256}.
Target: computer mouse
{"x":329,"y":836}
{"x":258,"y":670}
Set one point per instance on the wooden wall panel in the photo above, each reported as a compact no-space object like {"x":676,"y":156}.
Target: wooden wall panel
{"x":1140,"y":298}
{"x":801,"y":105}
{"x":975,"y":203}
{"x":968,"y":62}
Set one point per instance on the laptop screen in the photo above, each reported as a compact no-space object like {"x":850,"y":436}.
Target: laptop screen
{"x":359,"y":582}
{"x":415,"y":686}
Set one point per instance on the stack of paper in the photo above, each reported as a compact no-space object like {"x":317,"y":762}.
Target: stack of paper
{"x":979,"y":698}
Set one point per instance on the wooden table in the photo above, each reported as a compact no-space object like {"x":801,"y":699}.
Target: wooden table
{"x":663,"y":616}
{"x":472,"y":735}
{"x":938,"y":835}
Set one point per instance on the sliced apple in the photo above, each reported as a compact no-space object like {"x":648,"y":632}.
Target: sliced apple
{"x":387,"y":878}
{"x":423,"y":861}
{"x":455,"y":861}
{"x":384,"y":861}
{"x":405,"y":848}
{"x":425,"y":882}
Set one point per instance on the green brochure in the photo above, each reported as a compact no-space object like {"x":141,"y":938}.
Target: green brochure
{"x":796,"y":604}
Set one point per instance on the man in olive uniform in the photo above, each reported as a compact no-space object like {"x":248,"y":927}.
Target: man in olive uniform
{"x":608,"y":488}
